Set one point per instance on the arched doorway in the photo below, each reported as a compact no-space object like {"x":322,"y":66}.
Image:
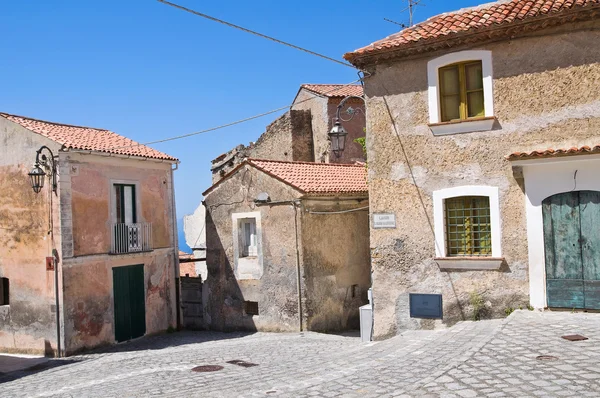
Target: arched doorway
{"x":572,"y":249}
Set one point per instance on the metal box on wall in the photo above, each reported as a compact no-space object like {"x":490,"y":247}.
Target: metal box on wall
{"x":427,"y":306}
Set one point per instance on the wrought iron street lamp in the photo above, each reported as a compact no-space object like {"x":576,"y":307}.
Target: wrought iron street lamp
{"x":45,"y":164}
{"x":338,"y":133}
{"x":37,"y":174}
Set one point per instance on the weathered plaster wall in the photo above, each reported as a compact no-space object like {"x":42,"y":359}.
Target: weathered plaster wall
{"x":289,"y":137}
{"x":545,"y":96}
{"x":89,"y":296}
{"x":276,"y":291}
{"x":92,"y":180}
{"x":336,"y":259}
{"x":323,"y":111}
{"x":355,"y":128}
{"x":28,"y":323}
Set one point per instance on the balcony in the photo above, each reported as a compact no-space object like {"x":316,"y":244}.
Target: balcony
{"x":131,"y":238}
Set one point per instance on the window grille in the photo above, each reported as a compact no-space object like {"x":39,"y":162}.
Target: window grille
{"x":468,"y":226}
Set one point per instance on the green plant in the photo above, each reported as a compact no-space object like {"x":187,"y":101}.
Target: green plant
{"x":478,"y":304}
{"x":509,"y":311}
{"x":529,"y":307}
{"x":362,"y":141}
{"x":171,"y":329}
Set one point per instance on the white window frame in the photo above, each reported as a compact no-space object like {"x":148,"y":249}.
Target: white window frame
{"x":435,"y":113}
{"x":247,"y":266}
{"x":439,"y":218}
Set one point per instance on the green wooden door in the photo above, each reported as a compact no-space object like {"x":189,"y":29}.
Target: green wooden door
{"x":129,"y":302}
{"x":572,"y":248}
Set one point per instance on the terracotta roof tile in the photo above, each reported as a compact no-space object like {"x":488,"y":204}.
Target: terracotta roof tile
{"x":317,"y":178}
{"x":310,"y":178}
{"x":334,"y":90}
{"x":549,"y":153}
{"x":87,"y":138}
{"x":470,"y":19}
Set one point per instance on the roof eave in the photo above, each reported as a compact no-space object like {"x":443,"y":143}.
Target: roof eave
{"x":496,"y":32}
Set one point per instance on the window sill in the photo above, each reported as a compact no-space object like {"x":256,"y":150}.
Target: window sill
{"x":463,"y":126}
{"x":469,"y":263}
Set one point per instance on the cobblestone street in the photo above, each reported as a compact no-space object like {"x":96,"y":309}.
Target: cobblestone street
{"x":489,"y":358}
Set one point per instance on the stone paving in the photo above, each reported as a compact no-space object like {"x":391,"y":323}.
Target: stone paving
{"x":488,"y":358}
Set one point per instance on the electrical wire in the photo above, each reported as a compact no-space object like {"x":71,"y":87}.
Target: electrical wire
{"x":338,"y":212}
{"x":178,"y":137}
{"x":255,"y":33}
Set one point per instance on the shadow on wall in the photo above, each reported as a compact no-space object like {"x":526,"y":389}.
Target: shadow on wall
{"x":225,"y":301}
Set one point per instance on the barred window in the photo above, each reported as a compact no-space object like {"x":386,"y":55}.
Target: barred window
{"x":468,"y":226}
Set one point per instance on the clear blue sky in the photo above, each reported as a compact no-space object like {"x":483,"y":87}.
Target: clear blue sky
{"x":149,"y":71}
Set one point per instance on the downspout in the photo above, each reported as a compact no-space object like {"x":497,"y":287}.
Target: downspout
{"x":298,"y":276}
{"x":175,"y":248}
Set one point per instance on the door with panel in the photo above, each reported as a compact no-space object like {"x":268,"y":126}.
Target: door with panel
{"x":572,"y":249}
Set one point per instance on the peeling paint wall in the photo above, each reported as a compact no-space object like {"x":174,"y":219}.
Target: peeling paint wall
{"x":81,"y":219}
{"x":89,"y":296}
{"x":545,"y":96}
{"x":27,"y":324}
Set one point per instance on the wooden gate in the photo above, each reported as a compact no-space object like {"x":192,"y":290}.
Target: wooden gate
{"x":572,"y":246}
{"x":191,"y":302}
{"x":129,"y":302}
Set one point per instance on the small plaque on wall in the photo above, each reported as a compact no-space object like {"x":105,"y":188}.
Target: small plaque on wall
{"x":426,"y":306}
{"x":384,"y":220}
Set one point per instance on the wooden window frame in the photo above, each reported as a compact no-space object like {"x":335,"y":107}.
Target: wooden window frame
{"x":120,"y":202}
{"x":463,"y":91}
{"x":475,"y":224}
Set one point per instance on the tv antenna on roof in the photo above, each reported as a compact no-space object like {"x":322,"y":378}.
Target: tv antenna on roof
{"x":411,"y":4}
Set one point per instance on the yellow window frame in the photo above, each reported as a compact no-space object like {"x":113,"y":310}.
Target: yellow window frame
{"x":462,"y":85}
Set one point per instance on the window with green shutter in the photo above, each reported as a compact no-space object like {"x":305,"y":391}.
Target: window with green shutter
{"x":468,"y":226}
{"x":461,"y":91}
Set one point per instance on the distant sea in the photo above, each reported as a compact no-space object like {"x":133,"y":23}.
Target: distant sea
{"x":181,"y":237}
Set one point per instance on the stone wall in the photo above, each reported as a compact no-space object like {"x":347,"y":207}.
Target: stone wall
{"x":289,"y":137}
{"x":28,"y":323}
{"x":545,"y":96}
{"x":276,"y":291}
{"x":336,"y":261}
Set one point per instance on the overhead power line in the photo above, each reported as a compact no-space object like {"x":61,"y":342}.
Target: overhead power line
{"x":255,"y":33}
{"x":178,"y":137}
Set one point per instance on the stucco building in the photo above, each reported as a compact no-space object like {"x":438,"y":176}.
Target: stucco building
{"x":287,"y":246}
{"x":108,"y":230}
{"x":483,"y":140}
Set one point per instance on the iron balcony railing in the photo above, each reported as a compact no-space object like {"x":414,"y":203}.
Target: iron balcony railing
{"x":131,"y":238}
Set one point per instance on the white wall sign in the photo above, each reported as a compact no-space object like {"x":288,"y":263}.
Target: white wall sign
{"x":384,"y":220}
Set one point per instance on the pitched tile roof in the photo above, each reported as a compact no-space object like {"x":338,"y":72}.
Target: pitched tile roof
{"x":550,"y":153}
{"x":87,"y":138}
{"x":311,"y":178}
{"x":334,"y":90}
{"x":471,"y":20}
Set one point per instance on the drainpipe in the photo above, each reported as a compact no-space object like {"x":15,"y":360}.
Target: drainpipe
{"x":176,"y":248}
{"x":298,"y":277}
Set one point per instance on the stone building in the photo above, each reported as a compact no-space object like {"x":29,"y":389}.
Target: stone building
{"x":301,"y":134}
{"x":287,"y":246}
{"x":108,"y":229}
{"x":483,"y":141}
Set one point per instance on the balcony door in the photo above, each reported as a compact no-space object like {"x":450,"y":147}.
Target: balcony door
{"x":125,"y":204}
{"x":128,"y":235}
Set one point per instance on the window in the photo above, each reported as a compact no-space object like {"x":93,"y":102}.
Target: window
{"x":125,"y":211}
{"x":4,"y":293}
{"x":460,"y":94}
{"x":467,"y":222}
{"x":468,"y":226}
{"x":251,"y":307}
{"x":248,"y":246}
{"x":461,"y":91}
